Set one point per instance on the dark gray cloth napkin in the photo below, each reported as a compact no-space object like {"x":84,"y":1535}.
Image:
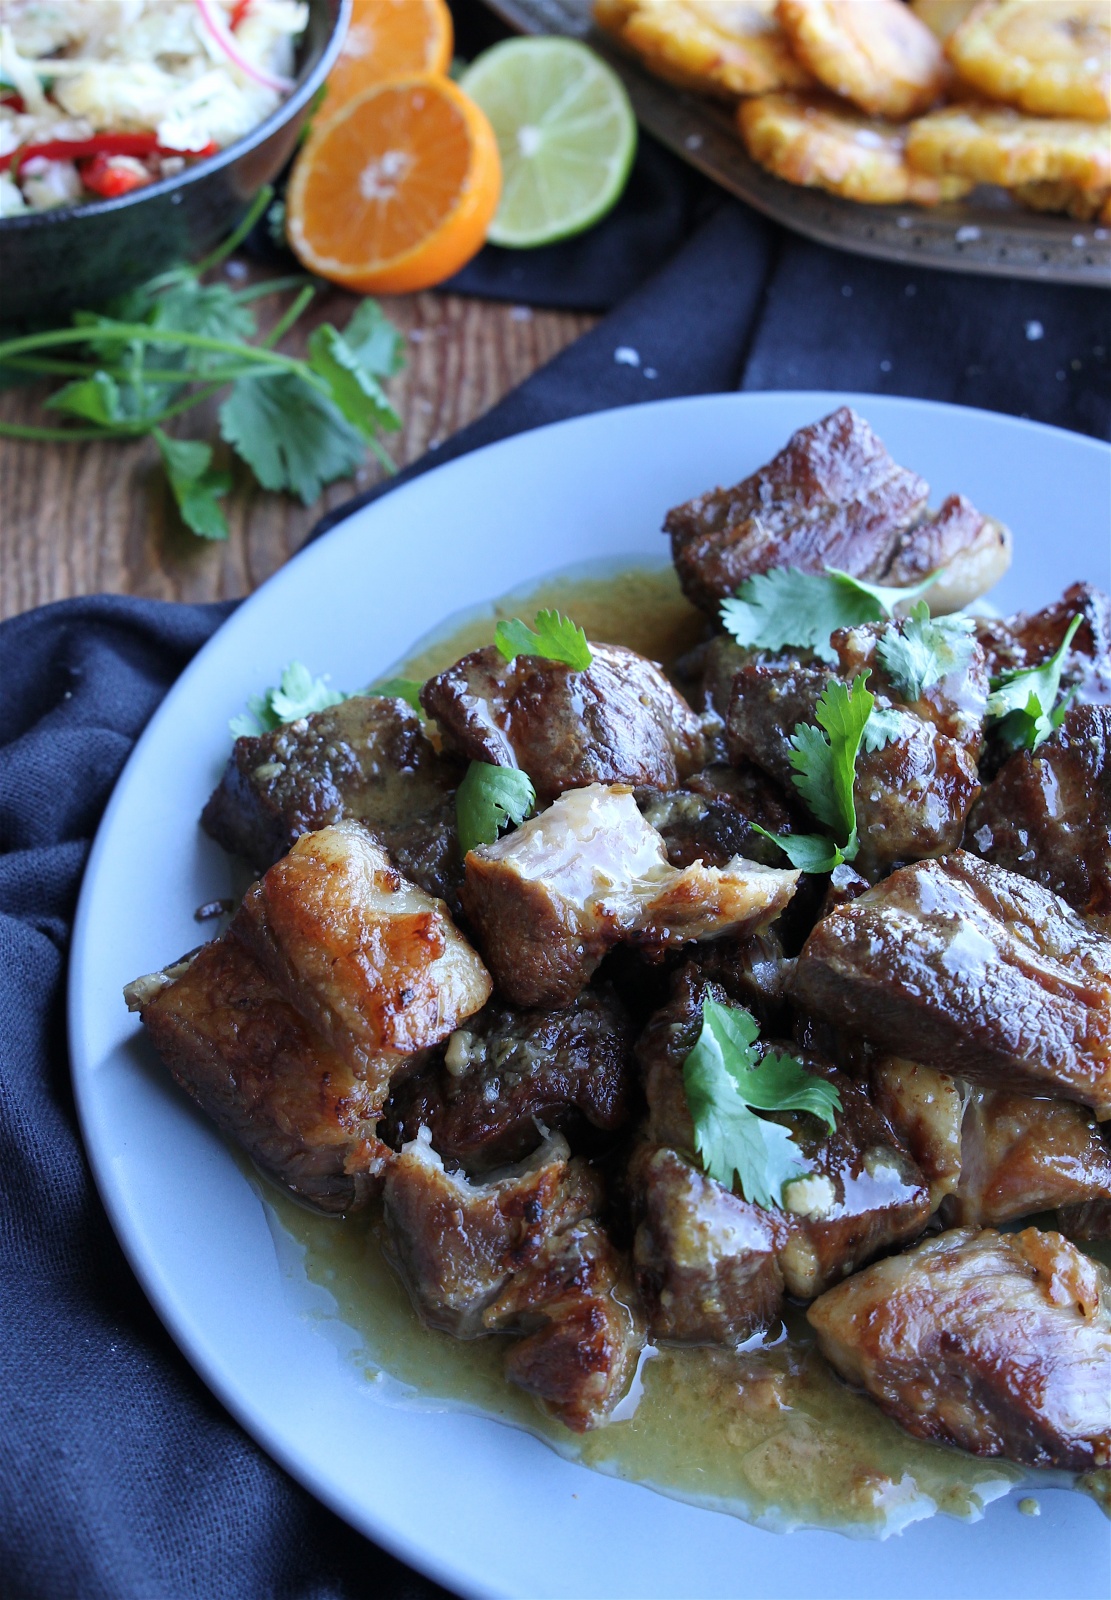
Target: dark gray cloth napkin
{"x":120,"y":1475}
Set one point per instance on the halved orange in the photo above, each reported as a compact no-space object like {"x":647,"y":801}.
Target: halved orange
{"x":396,"y":190}
{"x":389,"y":39}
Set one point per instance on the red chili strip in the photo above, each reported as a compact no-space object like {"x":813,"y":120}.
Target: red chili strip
{"x":100,"y":144}
{"x":108,"y":177}
{"x":238,"y":11}
{"x":13,"y":101}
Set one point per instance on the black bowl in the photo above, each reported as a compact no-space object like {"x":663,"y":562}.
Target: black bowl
{"x":56,"y":261}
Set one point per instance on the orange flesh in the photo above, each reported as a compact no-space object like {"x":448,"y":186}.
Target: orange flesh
{"x":389,"y":39}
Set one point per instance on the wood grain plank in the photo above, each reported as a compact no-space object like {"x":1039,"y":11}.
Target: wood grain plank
{"x":84,"y":518}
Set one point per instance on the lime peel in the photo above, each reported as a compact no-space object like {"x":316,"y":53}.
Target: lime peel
{"x":566,"y":134}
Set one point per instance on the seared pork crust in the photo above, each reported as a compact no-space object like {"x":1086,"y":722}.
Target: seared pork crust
{"x":997,"y":1343}
{"x":456,"y":1243}
{"x":926,"y":1109}
{"x":831,"y":497}
{"x":367,"y":759}
{"x":619,"y":721}
{"x":971,"y":969}
{"x":269,"y":1083}
{"x":1047,"y":813}
{"x":1021,"y":1155}
{"x":706,"y":1259}
{"x":712,"y":817}
{"x":584,"y":1329}
{"x":372,"y":962}
{"x":507,"y":1070}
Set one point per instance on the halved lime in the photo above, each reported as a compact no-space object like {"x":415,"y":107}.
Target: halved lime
{"x":566,"y":133}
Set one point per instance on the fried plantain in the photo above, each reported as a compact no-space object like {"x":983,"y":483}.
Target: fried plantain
{"x":819,"y":142}
{"x":722,"y":47}
{"x":1067,"y":199}
{"x":996,"y":144}
{"x":875,"y":53}
{"x":1049,"y":57}
{"x":942,"y":16}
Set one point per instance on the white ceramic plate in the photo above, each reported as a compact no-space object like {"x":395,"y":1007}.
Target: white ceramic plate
{"x":485,"y":1509}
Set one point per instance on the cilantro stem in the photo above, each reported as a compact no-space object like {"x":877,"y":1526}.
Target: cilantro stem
{"x":288,"y":317}
{"x":385,"y":460}
{"x":256,"y":291}
{"x":234,"y":240}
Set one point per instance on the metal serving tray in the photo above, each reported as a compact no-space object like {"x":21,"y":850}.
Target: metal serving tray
{"x":986,"y":233}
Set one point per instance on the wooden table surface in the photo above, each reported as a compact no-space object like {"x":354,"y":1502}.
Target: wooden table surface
{"x":83,"y":518}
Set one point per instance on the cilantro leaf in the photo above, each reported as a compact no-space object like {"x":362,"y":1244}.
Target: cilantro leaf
{"x":786,"y":606}
{"x":488,"y":799}
{"x":407,"y":689}
{"x":884,"y":724}
{"x":809,"y":852}
{"x":289,"y":434}
{"x":196,"y":488}
{"x":723,"y":1080}
{"x":298,"y":695}
{"x":211,"y":309}
{"x":372,"y":338}
{"x":355,"y":389}
{"x":925,"y":650}
{"x":555,"y":638}
{"x":1023,"y":699}
{"x":96,"y":398}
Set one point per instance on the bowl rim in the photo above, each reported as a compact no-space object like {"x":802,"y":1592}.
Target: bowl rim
{"x":299,"y":96}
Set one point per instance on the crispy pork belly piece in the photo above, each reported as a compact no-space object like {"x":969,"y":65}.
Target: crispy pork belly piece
{"x":1047,"y":813}
{"x":832,"y":497}
{"x":619,"y":721}
{"x":367,"y":759}
{"x":997,"y":1343}
{"x":456,"y":1244}
{"x":862,"y":1194}
{"x":718,"y":47}
{"x":1091,"y":1220}
{"x":268,"y":1082}
{"x":913,"y":796}
{"x":584,"y":1330}
{"x":706,"y":1259}
{"x":375,"y":965}
{"x":711,"y":819}
{"x":971,"y":969}
{"x":550,"y":899}
{"x":506,"y":1071}
{"x":1029,"y":638}
{"x":1021,"y":1155}
{"x":926,"y":1109}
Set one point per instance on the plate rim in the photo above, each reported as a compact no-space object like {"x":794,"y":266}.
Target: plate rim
{"x":257,"y":1424}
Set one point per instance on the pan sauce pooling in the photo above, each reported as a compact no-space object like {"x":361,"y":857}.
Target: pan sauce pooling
{"x":535,"y":1242}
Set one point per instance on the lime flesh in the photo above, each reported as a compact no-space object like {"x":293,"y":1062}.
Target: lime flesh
{"x":566,"y":133}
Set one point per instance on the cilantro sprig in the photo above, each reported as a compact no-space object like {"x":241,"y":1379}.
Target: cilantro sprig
{"x":1023,"y":700}
{"x":786,"y":606}
{"x":824,"y":762}
{"x":178,"y":342}
{"x":298,"y":694}
{"x":488,"y":800}
{"x":925,"y":650}
{"x":551,"y":636}
{"x":726,"y":1084}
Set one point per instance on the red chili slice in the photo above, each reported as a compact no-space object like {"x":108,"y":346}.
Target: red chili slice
{"x":238,"y":11}
{"x":100,"y":144}
{"x":108,"y":177}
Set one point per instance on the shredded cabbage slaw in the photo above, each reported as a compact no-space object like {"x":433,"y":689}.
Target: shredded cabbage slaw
{"x":100,"y":97}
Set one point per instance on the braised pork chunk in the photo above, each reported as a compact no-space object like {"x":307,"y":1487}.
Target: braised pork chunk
{"x":714,"y":816}
{"x":549,"y":900}
{"x":997,"y":1343}
{"x":1029,"y":638}
{"x":1047,"y":813}
{"x":505,"y":1072}
{"x":926,"y":1109}
{"x":268,"y":1082}
{"x":699,"y":1246}
{"x":831,"y":497}
{"x":619,"y":721}
{"x":366,"y":759}
{"x":372,"y":962}
{"x":974,"y":970}
{"x":520,"y":1253}
{"x":1021,"y":1155}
